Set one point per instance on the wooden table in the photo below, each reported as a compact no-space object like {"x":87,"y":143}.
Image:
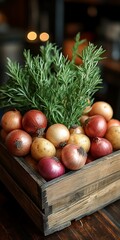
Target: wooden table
{"x":16,"y":225}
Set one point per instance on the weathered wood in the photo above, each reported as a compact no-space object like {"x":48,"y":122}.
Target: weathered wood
{"x":26,"y":177}
{"x":53,"y":205}
{"x":32,"y":210}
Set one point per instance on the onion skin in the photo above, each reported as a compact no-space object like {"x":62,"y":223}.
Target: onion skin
{"x":34,"y":121}
{"x":50,"y":168}
{"x":100,"y":147}
{"x":113,"y":122}
{"x":95,"y":126}
{"x":58,"y":134}
{"x":11,"y":120}
{"x":73,"y":157}
{"x":102,"y":108}
{"x":18,"y":142}
{"x":76,"y":129}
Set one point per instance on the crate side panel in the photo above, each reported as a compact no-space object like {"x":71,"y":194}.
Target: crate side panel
{"x":26,"y":177}
{"x":85,"y":206}
{"x":74,"y":197}
{"x":74,"y":182}
{"x":22,"y":198}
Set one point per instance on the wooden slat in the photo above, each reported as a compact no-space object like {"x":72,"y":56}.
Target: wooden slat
{"x":27,"y":178}
{"x":31,"y":209}
{"x":53,"y":205}
{"x":86,"y":206}
{"x":93,"y":175}
{"x":81,"y":193}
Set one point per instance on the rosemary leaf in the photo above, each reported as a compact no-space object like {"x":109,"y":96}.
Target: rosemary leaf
{"x":52,"y":83}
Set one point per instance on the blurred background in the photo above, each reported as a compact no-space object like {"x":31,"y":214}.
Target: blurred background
{"x":30,"y":23}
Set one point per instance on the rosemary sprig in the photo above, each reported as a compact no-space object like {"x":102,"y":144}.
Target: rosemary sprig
{"x":52,"y":83}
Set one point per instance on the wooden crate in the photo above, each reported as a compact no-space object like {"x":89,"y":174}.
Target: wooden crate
{"x":53,"y":205}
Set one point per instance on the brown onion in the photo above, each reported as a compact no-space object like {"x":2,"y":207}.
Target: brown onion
{"x":34,"y":121}
{"x":11,"y":120}
{"x":18,"y":142}
{"x":73,"y":157}
{"x":58,"y":134}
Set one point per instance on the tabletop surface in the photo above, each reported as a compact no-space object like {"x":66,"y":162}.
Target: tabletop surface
{"x":16,"y":225}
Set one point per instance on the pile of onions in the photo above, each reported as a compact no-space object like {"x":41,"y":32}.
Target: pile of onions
{"x":57,"y":149}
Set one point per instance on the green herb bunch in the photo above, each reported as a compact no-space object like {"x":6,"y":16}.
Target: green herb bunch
{"x":52,"y":83}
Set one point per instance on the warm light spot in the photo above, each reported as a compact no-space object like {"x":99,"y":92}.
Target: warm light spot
{"x":44,"y":36}
{"x":32,"y":36}
{"x":92,"y":11}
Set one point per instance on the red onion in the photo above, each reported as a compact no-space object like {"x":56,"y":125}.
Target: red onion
{"x":95,"y":126}
{"x":50,"y":168}
{"x":100,"y":147}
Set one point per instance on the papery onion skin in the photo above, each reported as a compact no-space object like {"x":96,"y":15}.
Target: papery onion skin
{"x":100,"y":147}
{"x":76,"y":129}
{"x":50,"y":168}
{"x":58,"y":134}
{"x":102,"y":108}
{"x":34,"y":121}
{"x":11,"y":120}
{"x":73,"y":157}
{"x":95,"y":126}
{"x":113,"y":122}
{"x":18,"y":142}
{"x":83,"y":118}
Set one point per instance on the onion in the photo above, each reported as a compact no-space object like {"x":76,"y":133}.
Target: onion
{"x":102,"y":108}
{"x":58,"y":134}
{"x":76,"y":129}
{"x":42,"y":147}
{"x":18,"y":142}
{"x":50,"y":168}
{"x":83,"y":118}
{"x":34,"y":121}
{"x":95,"y":126}
{"x":113,"y":122}
{"x":100,"y":147}
{"x":11,"y":120}
{"x":73,"y":157}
